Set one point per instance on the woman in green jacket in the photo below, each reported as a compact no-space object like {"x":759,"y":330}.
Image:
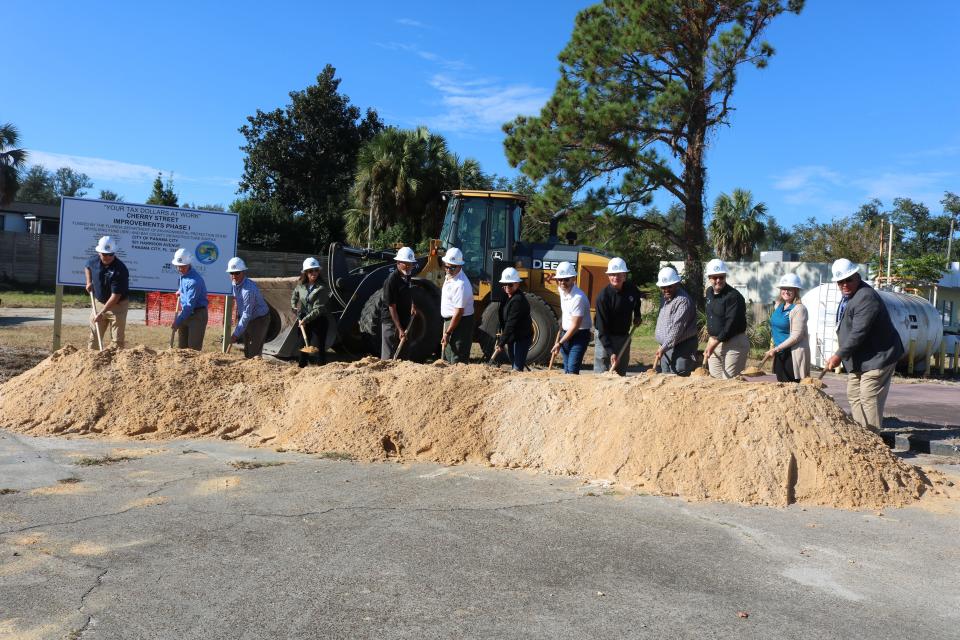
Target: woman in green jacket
{"x":309,"y":302}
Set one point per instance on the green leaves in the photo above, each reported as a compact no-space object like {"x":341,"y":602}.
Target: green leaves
{"x":920,"y":271}
{"x":737,"y":225}
{"x":12,"y":162}
{"x":162,"y":192}
{"x":641,"y":84}
{"x":46,"y":187}
{"x":302,"y":156}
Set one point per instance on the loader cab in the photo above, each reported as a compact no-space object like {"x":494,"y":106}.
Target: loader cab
{"x":485,"y":226}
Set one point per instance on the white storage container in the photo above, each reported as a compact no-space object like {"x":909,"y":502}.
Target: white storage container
{"x":914,"y":318}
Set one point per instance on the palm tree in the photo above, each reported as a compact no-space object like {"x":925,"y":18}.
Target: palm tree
{"x":737,"y":224}
{"x":401,"y":175}
{"x":375,"y":183}
{"x":12,"y":161}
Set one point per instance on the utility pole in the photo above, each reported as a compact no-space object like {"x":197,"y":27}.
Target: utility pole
{"x":950,"y":241}
{"x":889,"y":252}
{"x":879,"y":277}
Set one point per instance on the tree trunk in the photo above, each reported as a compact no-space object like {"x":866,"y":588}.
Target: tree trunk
{"x":693,"y":186}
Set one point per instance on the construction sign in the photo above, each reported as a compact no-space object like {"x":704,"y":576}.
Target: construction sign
{"x":147,"y":237}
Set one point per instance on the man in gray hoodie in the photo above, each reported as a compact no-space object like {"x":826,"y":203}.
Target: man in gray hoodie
{"x":869,"y":345}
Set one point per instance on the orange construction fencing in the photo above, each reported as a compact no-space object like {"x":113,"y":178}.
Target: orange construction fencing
{"x":161,"y":308}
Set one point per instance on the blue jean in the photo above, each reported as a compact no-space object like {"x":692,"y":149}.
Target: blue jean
{"x":517,"y":351}
{"x":573,"y":350}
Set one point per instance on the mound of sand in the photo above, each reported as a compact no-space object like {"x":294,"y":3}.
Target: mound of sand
{"x":702,"y":439}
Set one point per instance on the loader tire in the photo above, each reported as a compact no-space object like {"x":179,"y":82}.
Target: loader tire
{"x":425,"y":332}
{"x":545,"y":326}
{"x":487,"y":331}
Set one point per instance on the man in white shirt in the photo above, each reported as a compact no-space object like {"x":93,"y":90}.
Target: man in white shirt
{"x":456,"y":307}
{"x":575,"y":320}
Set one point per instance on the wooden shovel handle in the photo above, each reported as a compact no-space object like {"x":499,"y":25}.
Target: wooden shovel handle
{"x":403,"y":340}
{"x":93,"y":323}
{"x":554,"y":355}
{"x":173,"y":331}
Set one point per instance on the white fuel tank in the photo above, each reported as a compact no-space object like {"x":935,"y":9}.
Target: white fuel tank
{"x":914,"y":318}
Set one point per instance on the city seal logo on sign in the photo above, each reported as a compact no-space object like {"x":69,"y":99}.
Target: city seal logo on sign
{"x":207,"y":252}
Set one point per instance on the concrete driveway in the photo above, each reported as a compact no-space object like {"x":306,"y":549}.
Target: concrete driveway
{"x":44,"y":317}
{"x":175,"y":542}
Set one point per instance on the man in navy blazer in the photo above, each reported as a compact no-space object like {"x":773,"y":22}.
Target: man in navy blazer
{"x":869,"y":345}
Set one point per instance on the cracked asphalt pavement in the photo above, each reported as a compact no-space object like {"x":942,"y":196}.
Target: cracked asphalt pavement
{"x":175,"y":542}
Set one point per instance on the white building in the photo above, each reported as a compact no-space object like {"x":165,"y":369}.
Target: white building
{"x":757,"y":281}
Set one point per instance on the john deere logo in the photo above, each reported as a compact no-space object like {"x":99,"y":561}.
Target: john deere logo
{"x":207,"y":252}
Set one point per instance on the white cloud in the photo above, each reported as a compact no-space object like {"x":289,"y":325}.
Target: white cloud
{"x":410,"y":22}
{"x":806,"y":178}
{"x":96,"y":168}
{"x":818,"y":188}
{"x":925,"y":186}
{"x":114,"y":170}
{"x":430,"y":56}
{"x":945,"y":151}
{"x":482,"y":105}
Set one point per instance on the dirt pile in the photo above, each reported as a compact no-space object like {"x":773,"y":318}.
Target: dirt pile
{"x":701,"y":438}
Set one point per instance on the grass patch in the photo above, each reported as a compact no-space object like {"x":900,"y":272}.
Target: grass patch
{"x":103,"y":460}
{"x":19,"y":296}
{"x":334,"y":455}
{"x":68,"y":480}
{"x":41,"y":337}
{"x":254,"y":464}
{"x":6,"y":491}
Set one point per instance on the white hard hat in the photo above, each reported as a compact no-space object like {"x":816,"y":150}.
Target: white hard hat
{"x":453,"y":256}
{"x":106,"y":244}
{"x":182,"y":258}
{"x":617,"y":265}
{"x":236,"y":265}
{"x":667,"y":276}
{"x":309,"y":263}
{"x":716,"y":267}
{"x":405,"y":254}
{"x":566,"y":270}
{"x":790,"y":280}
{"x":510,"y":276}
{"x":843,"y":269}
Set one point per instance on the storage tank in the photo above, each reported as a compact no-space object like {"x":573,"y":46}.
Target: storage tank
{"x":914,"y":318}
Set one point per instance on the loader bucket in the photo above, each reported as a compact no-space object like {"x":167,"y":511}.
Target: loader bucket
{"x":283,"y":335}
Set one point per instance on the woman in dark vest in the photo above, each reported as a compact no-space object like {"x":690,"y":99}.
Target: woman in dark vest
{"x":516,"y":329}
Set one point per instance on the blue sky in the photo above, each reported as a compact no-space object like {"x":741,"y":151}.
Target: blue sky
{"x":862,"y":99}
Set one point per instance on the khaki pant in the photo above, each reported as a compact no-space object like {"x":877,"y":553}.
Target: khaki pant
{"x":730,"y":357}
{"x":116,"y":320}
{"x":867,"y":393}
{"x":190,"y":333}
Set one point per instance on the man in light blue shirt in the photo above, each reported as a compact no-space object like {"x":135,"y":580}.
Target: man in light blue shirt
{"x":191,"y":323}
{"x":253,"y":313}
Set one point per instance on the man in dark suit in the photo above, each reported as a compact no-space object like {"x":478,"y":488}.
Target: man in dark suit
{"x":869,"y":345}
